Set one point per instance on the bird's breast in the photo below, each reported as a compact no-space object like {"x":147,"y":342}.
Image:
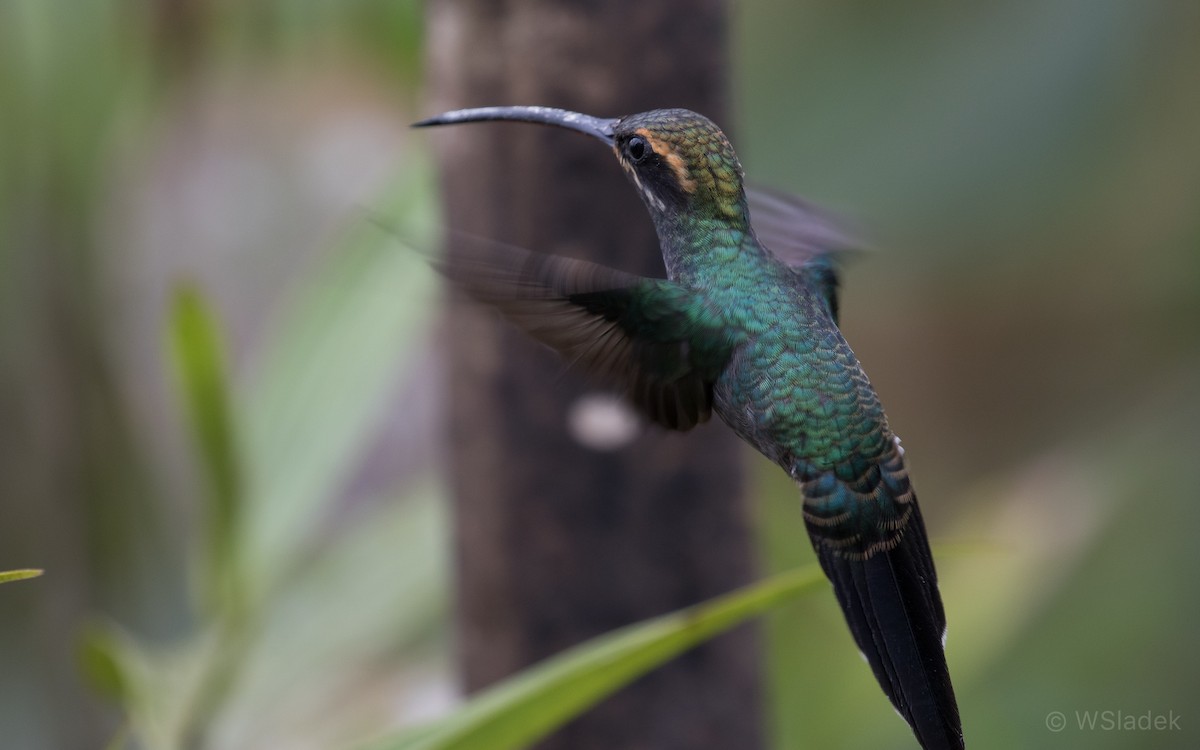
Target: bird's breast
{"x":795,"y":389}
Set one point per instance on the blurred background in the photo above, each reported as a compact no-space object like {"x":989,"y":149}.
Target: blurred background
{"x":1028,"y":173}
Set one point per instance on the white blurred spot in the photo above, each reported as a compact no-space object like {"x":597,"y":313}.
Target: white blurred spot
{"x":896,"y":439}
{"x":602,"y":422}
{"x":428,"y":697}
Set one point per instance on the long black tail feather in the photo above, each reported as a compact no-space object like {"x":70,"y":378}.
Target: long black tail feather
{"x":895,"y":613}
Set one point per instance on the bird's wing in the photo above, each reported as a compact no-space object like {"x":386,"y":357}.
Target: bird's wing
{"x":803,"y":237}
{"x":641,"y":336}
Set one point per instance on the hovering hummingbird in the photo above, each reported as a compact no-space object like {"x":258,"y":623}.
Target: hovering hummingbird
{"x":746,"y":325}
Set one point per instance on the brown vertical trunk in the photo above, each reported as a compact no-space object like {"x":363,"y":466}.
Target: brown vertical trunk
{"x":557,"y":542}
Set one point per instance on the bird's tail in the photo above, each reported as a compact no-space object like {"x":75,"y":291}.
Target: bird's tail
{"x":891,"y":602}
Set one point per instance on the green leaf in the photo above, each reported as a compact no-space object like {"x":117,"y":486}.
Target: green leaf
{"x":528,"y":706}
{"x":385,"y":562}
{"x":156,"y":687}
{"x":19,"y":575}
{"x":328,"y":368}
{"x":198,"y":356}
{"x":110,"y":662}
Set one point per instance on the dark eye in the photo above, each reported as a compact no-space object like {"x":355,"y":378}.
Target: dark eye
{"x":637,"y":148}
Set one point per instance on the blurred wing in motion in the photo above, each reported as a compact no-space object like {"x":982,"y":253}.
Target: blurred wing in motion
{"x":794,"y":230}
{"x":809,"y":240}
{"x":633,"y":333}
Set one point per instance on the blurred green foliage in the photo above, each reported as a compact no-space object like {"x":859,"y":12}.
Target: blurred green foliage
{"x":1030,"y":174}
{"x":526,"y":707}
{"x":369,"y":293}
{"x":7,"y":576}
{"x":199,"y":358}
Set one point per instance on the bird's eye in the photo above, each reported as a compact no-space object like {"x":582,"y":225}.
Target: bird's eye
{"x":637,"y":148}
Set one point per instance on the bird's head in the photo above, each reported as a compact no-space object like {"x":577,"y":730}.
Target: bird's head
{"x":680,"y":161}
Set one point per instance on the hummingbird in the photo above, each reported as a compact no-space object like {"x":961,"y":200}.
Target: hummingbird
{"x":745,"y":325}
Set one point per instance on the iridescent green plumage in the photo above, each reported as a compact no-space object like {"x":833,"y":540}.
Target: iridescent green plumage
{"x":750,"y":333}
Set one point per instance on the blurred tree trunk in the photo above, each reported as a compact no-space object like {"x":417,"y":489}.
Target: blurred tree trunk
{"x":556,"y":542}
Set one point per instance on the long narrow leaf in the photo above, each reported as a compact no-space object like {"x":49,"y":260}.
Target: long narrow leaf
{"x":528,"y":706}
{"x":319,"y":391}
{"x":18,"y":575}
{"x":198,"y":355}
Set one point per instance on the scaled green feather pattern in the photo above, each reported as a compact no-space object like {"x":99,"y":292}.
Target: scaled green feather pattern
{"x":749,"y":332}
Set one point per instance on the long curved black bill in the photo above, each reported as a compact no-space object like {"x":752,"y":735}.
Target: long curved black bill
{"x":594,"y":126}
